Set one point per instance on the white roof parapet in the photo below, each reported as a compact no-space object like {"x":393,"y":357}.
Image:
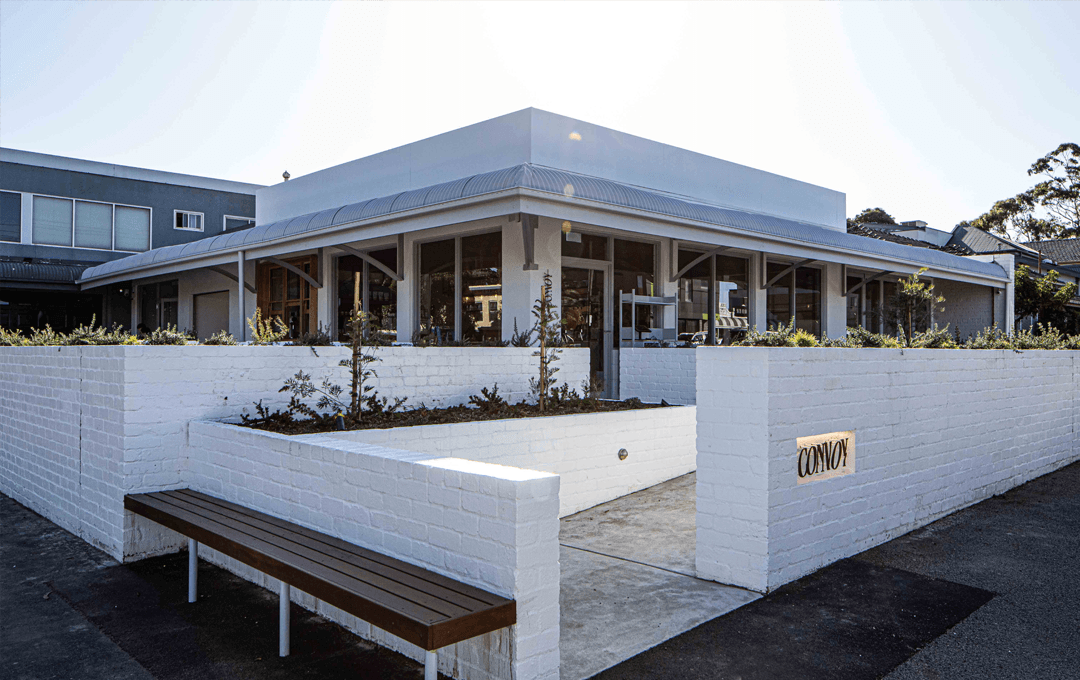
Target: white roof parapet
{"x":44,"y":160}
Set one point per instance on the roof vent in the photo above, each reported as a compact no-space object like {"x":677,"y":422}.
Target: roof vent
{"x":286,"y":175}
{"x":914,"y":223}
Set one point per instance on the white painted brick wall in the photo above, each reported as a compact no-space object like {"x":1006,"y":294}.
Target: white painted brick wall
{"x":653,"y":374}
{"x":581,"y":449}
{"x":82,"y":426}
{"x":936,"y":431}
{"x":492,"y":526}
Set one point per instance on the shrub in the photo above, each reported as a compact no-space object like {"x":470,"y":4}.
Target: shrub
{"x":166,"y":336}
{"x":266,"y":332}
{"x":220,"y":338}
{"x":933,"y":338}
{"x":320,"y":337}
{"x":12,"y":338}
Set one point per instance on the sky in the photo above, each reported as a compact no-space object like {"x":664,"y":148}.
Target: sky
{"x":931,"y":111}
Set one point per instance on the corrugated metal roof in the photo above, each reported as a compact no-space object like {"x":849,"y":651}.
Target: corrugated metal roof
{"x":975,"y":241}
{"x":563,"y":183}
{"x":43,"y":273}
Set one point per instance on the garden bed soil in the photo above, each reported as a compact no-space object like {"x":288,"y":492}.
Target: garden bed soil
{"x":284,"y":423}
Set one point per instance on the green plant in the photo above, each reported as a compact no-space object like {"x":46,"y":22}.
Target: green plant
{"x":12,"y":338}
{"x":166,"y":336}
{"x":548,"y":329}
{"x":220,"y":338}
{"x":933,"y":338}
{"x":521,"y":339}
{"x":489,"y":401}
{"x":266,"y":332}
{"x":320,"y":337}
{"x":913,"y":301}
{"x":89,"y":334}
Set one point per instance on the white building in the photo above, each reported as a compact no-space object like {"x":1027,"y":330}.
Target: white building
{"x":452,"y":235}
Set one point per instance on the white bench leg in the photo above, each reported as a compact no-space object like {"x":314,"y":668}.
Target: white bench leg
{"x":283,"y":619}
{"x":192,"y":569}
{"x":431,"y":666}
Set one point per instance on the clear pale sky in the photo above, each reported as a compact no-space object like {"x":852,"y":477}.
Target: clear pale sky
{"x":931,"y":111}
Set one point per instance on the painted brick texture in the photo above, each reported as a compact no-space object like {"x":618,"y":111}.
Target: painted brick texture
{"x":82,"y":426}
{"x":581,"y":449}
{"x":652,"y":375}
{"x":492,"y":526}
{"x":936,"y":431}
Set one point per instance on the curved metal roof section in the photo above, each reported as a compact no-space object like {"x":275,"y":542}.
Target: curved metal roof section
{"x":39,"y":272}
{"x":558,"y":182}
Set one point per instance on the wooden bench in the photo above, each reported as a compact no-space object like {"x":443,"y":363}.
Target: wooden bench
{"x":417,"y":605}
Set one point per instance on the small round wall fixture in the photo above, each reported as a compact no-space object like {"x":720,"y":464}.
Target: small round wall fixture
{"x":623,"y":453}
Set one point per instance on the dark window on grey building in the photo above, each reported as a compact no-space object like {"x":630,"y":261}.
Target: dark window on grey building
{"x":238,"y":222}
{"x":10,"y":216}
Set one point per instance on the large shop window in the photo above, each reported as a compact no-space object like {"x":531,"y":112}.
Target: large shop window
{"x":798,"y":294}
{"x":634,"y":271}
{"x":285,"y":295}
{"x":378,"y":292}
{"x":89,"y":224}
{"x":461,"y":289}
{"x":732,"y":295}
{"x":158,"y":305}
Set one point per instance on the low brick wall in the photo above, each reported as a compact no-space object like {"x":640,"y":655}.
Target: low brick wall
{"x":492,"y":526}
{"x":582,"y":449}
{"x":82,"y":426}
{"x":653,"y":374}
{"x":935,"y":431}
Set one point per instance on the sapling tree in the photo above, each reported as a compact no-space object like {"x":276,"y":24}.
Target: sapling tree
{"x":914,"y":299}
{"x":548,"y":329}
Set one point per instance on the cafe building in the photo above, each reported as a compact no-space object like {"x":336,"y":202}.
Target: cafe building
{"x":447,"y":240}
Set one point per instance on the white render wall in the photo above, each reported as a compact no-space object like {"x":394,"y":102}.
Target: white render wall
{"x":935,"y":431}
{"x":491,"y":526}
{"x":652,"y":374}
{"x":582,"y":449}
{"x":83,"y":426}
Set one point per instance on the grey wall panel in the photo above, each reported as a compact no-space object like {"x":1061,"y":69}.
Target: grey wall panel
{"x":161,"y":198}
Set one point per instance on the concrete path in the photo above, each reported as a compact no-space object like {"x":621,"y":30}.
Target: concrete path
{"x":627,"y":578}
{"x":992,"y":591}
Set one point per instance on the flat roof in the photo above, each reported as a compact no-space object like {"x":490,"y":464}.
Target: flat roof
{"x":44,"y":160}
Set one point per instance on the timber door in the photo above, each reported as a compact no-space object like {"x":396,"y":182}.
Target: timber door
{"x":283,"y":294}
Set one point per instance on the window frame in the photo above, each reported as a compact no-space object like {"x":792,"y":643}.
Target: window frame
{"x":19,"y":233}
{"x":73,"y":200}
{"x":225,"y":221}
{"x":456,"y":238}
{"x":822,"y":299}
{"x":202,"y":221}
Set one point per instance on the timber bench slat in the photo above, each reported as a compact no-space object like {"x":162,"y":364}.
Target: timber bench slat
{"x":378,"y":581}
{"x":378,"y":571}
{"x":427,"y":609}
{"x":378,"y":558}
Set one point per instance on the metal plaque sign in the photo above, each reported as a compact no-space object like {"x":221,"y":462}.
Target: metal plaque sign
{"x":824,"y":456}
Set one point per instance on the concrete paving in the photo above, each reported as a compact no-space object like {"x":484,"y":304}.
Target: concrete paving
{"x":627,"y":578}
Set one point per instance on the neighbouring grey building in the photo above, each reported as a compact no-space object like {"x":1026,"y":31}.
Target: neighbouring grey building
{"x":60,"y":215}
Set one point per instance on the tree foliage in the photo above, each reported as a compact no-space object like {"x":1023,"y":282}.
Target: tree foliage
{"x":872,"y":216}
{"x":1041,"y":296}
{"x":1048,"y":210}
{"x":913,"y":302}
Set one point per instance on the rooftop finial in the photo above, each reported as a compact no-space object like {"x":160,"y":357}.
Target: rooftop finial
{"x":286,"y":175}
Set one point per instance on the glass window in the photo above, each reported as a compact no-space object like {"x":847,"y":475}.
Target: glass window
{"x":437,"y":289}
{"x":481,"y":283}
{"x":132,"y":228}
{"x":778,"y":298}
{"x":188,"y":221}
{"x":854,"y":303}
{"x":238,"y":222}
{"x":382,"y":293}
{"x":158,"y":305}
{"x":808,"y":300}
{"x":873,"y":306}
{"x":588,"y":246}
{"x":890,"y":315}
{"x":733,"y":296}
{"x":634,"y":271}
{"x":10,"y":216}
{"x":93,"y":225}
{"x":52,"y":221}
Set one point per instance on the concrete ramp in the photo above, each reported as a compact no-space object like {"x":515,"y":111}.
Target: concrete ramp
{"x":628,"y":578}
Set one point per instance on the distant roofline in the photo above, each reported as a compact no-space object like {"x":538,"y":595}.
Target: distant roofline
{"x":44,"y":160}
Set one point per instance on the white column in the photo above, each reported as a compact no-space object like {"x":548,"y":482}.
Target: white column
{"x":834,"y":301}
{"x":240,"y":295}
{"x":758,"y":317}
{"x":431,"y":666}
{"x":326,"y":297}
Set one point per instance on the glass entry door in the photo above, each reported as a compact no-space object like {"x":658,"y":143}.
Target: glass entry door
{"x":587,"y":318}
